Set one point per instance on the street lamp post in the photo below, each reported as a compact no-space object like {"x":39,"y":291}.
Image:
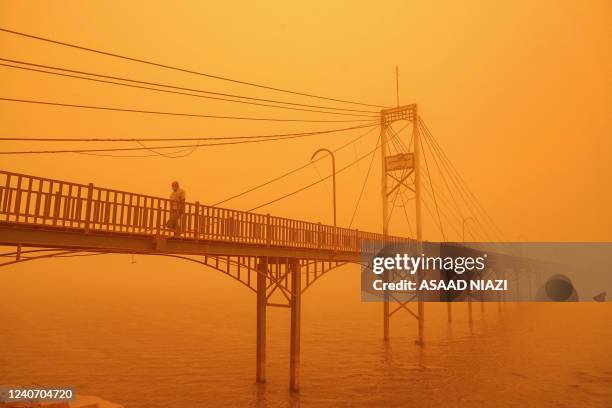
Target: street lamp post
{"x":333,"y":174}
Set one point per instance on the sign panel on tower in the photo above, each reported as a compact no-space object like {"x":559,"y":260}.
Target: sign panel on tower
{"x":400,"y":161}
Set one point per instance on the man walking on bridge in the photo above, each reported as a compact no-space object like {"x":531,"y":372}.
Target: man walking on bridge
{"x":177,"y":208}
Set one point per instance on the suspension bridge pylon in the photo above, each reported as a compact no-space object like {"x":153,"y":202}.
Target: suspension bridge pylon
{"x":401,"y":171}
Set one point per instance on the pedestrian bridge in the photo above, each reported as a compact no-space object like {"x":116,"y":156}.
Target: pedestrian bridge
{"x":37,"y":211}
{"x":56,"y":214}
{"x":273,"y":256}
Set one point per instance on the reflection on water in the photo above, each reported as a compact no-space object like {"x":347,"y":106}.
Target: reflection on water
{"x":184,"y":336}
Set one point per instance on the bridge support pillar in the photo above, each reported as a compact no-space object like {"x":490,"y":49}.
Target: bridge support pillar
{"x":469,"y":304}
{"x":296,"y":300}
{"x":421,"y":311}
{"x":262,"y":268}
{"x":386,"y":308}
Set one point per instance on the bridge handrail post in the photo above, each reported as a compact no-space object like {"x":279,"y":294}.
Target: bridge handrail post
{"x":319,"y":235}
{"x":230,"y":225}
{"x":90,"y":187}
{"x":56,"y":205}
{"x":268,"y":230}
{"x":196,"y":221}
{"x":158,"y":219}
{"x":17,"y":199}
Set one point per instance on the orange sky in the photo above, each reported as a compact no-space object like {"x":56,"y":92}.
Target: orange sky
{"x":519,"y":95}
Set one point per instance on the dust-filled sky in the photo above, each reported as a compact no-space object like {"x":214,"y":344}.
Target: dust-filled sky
{"x":518,"y":94}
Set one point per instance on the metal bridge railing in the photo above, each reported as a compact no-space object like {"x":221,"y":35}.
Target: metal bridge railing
{"x":49,"y":203}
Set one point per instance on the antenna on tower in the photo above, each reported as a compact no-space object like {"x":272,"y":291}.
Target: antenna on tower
{"x":397,"y":84}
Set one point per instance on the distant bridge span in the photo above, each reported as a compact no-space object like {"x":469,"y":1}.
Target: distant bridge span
{"x":268,"y":254}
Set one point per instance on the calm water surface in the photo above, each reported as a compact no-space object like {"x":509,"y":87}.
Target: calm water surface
{"x":162,"y":333}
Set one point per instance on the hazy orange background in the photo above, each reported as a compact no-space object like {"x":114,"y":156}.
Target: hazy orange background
{"x":518,"y":94}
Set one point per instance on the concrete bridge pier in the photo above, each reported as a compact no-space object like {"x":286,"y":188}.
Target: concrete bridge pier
{"x":262,"y":273}
{"x":296,"y":313}
{"x":266,"y":281}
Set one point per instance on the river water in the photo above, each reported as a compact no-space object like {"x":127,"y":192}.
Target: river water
{"x":160,"y":333}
